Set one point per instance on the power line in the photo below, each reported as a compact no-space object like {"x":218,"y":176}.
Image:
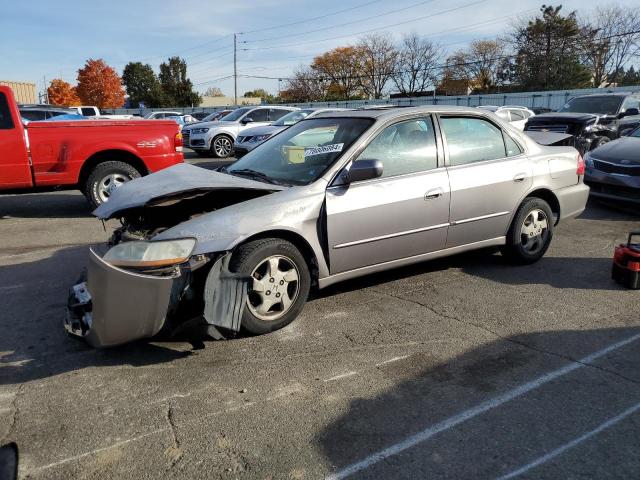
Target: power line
{"x":390,"y":12}
{"x":467,"y":5}
{"x":312,"y":19}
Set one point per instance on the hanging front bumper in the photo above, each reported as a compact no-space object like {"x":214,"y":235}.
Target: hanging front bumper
{"x":116,"y":306}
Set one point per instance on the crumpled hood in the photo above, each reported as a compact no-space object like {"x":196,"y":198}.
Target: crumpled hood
{"x":172,"y":181}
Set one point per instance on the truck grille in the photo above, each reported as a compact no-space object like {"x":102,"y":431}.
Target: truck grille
{"x":556,"y":128}
{"x":186,"y":138}
{"x":632,"y":170}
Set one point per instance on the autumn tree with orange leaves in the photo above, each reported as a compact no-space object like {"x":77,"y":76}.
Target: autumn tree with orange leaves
{"x":61,"y":93}
{"x":99,"y":85}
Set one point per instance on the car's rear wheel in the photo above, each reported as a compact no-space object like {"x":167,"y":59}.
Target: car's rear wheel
{"x":221,"y":146}
{"x":530,"y":233}
{"x":105,"y":178}
{"x":279,"y":286}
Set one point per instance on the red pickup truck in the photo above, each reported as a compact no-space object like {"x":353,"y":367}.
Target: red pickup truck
{"x":94,"y":156}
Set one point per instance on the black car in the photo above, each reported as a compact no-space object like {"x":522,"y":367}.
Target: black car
{"x":613,"y":170}
{"x":593,"y":120}
{"x":37,"y":113}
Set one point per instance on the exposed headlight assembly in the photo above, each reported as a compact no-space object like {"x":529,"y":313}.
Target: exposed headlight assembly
{"x":199,"y":130}
{"x":144,"y":254}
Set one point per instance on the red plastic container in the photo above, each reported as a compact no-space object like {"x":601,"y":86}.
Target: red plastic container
{"x":626,"y":263}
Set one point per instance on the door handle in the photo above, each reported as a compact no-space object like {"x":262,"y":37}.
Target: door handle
{"x":520,"y":177}
{"x":432,"y":194}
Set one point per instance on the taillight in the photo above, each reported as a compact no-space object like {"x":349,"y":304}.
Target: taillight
{"x":177,"y":141}
{"x":581,"y":166}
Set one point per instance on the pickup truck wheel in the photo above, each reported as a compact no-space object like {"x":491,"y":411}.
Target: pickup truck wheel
{"x":279,"y":285}
{"x":221,"y":146}
{"x":105,"y":178}
{"x":530,"y":233}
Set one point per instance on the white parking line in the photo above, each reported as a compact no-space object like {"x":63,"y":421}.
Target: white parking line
{"x":573,"y":443}
{"x":391,"y":360}
{"x":342,"y":375}
{"x":475,"y":411}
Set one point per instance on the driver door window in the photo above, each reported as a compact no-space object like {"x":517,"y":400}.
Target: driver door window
{"x":259,"y":115}
{"x":404,"y":147}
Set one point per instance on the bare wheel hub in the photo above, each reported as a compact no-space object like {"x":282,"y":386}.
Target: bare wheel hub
{"x":276,"y":283}
{"x":534,"y":231}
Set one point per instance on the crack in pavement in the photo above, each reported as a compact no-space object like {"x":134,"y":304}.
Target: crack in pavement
{"x":16,"y":410}
{"x":511,"y":340}
{"x":174,"y":452}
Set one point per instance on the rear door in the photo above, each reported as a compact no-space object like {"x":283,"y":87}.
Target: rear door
{"x":488,"y":173}
{"x":14,"y":162}
{"x":402,"y":214}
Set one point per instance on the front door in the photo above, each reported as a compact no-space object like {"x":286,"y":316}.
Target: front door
{"x":14,"y":162}
{"x":489,"y":174}
{"x":401,"y":214}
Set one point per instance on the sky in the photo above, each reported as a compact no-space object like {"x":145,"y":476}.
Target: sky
{"x":41,"y":39}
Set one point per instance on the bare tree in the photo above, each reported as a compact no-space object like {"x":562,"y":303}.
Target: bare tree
{"x":416,"y":65}
{"x":379,"y":57}
{"x":213,"y":92}
{"x":304,"y":86}
{"x":483,"y":62}
{"x":613,"y":42}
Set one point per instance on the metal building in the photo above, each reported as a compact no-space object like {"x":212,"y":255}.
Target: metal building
{"x":25,"y":92}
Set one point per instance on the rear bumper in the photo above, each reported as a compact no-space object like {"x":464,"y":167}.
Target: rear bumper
{"x":572,"y":200}
{"x":116,"y":306}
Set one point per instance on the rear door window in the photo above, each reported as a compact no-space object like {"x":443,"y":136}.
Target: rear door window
{"x":277,"y":114}
{"x":88,"y":112}
{"x":6,"y":122}
{"x":472,"y":139}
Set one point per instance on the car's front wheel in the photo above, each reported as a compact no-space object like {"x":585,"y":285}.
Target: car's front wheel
{"x":221,"y":146}
{"x":279,"y":285}
{"x":530,"y":233}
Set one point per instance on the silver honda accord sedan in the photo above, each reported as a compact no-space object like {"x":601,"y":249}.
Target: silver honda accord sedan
{"x":334,"y":197}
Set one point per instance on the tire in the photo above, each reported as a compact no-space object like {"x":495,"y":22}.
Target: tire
{"x":291,"y":279}
{"x":599,"y":141}
{"x":529,"y":238}
{"x":221,"y":146}
{"x":104,"y":177}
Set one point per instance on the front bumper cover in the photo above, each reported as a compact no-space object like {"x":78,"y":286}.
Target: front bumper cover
{"x":117,"y":306}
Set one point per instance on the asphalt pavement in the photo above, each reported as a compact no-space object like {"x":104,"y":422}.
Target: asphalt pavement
{"x":464,"y":367}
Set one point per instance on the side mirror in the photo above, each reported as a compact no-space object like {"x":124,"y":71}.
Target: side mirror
{"x":628,"y":112}
{"x":9,"y":462}
{"x":246,"y":120}
{"x":364,"y":169}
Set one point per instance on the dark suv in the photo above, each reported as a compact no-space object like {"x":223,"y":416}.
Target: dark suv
{"x":593,"y":120}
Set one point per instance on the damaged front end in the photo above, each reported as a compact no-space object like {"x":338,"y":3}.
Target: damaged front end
{"x":138,"y":286}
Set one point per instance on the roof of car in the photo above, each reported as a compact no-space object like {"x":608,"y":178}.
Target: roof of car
{"x":383,"y":113}
{"x":609,"y":94}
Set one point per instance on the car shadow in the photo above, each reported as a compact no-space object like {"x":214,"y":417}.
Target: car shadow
{"x":611,"y":211}
{"x":44,"y":205}
{"x":560,"y":272}
{"x":33,"y":343}
{"x":427,"y":390}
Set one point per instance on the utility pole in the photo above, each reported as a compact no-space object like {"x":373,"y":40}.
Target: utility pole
{"x":235,"y":71}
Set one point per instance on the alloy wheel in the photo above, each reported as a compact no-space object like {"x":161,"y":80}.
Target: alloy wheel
{"x":276,"y":284}
{"x":222,"y":146}
{"x":534,"y":231}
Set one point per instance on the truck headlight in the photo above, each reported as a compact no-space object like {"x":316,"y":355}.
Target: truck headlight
{"x":150,"y":254}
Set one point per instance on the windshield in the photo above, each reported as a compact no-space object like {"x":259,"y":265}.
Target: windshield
{"x":236,"y":114}
{"x":303,"y":152}
{"x":604,"y":105}
{"x":291,"y":118}
{"x":635,"y":133}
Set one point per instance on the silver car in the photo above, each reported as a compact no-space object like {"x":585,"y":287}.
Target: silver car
{"x":333,"y":197}
{"x":252,"y":137}
{"x":216,"y":138}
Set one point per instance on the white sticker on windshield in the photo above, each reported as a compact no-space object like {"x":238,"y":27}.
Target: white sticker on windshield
{"x":334,"y":147}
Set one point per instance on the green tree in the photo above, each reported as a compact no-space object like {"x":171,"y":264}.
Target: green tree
{"x":176,"y":85}
{"x":548,"y":52}
{"x":630,"y":77}
{"x":262,"y":93}
{"x":142,"y":85}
